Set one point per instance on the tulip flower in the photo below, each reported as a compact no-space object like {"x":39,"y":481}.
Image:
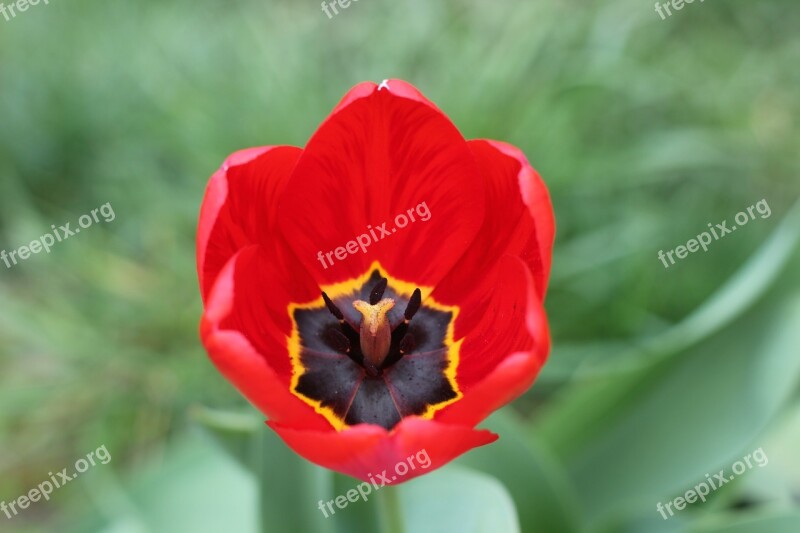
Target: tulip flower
{"x":380,"y":291}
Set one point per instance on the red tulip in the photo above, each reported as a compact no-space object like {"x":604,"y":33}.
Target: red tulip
{"x":363,"y":335}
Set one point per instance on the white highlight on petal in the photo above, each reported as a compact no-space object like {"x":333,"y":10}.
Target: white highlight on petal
{"x":384,"y":85}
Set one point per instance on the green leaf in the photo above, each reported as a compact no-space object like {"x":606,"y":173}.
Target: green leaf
{"x":777,"y":522}
{"x":193,"y":488}
{"x":457,"y":500}
{"x":537,"y":483}
{"x":291,"y":488}
{"x":680,"y":419}
{"x":779,"y":482}
{"x":233,"y":430}
{"x":358,"y":516}
{"x":732,"y":299}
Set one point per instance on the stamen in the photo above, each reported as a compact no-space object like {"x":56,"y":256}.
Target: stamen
{"x":407,"y":344}
{"x":400,"y":333}
{"x":332,"y":307}
{"x":338,"y":341}
{"x":347,"y":328}
{"x":413,"y":305}
{"x":377,"y":292}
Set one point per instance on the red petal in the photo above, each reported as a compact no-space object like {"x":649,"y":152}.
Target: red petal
{"x":238,"y":209}
{"x":501,"y":316}
{"x":366,"y":451}
{"x":512,"y":377}
{"x":537,"y":201}
{"x":237,"y":359}
{"x":265,"y":282}
{"x":385,"y":150}
{"x":487,"y":390}
{"x":519,"y":221}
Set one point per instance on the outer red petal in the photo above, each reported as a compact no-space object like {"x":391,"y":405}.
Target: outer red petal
{"x":238,"y":208}
{"x":539,"y":206}
{"x":500,"y":316}
{"x":368,"y":450}
{"x":512,"y":377}
{"x":485,"y":388}
{"x":266,"y":281}
{"x":237,"y":360}
{"x":519,"y":222}
{"x":383,"y":151}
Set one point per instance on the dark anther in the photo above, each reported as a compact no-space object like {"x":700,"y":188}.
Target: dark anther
{"x":413,"y":304}
{"x":332,"y":307}
{"x":372,"y":370}
{"x":407,"y":344}
{"x":338,"y":341}
{"x":377,"y":292}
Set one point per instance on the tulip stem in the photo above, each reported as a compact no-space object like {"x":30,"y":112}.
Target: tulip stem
{"x":390,"y":510}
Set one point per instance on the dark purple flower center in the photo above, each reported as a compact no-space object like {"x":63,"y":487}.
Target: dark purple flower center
{"x":375,"y":356}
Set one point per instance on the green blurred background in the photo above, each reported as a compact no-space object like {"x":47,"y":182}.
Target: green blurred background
{"x":645,"y":131}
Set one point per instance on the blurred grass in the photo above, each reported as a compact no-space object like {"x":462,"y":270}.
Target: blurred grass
{"x":645,"y":131}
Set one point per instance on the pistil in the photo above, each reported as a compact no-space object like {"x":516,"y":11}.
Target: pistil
{"x":376,"y":332}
